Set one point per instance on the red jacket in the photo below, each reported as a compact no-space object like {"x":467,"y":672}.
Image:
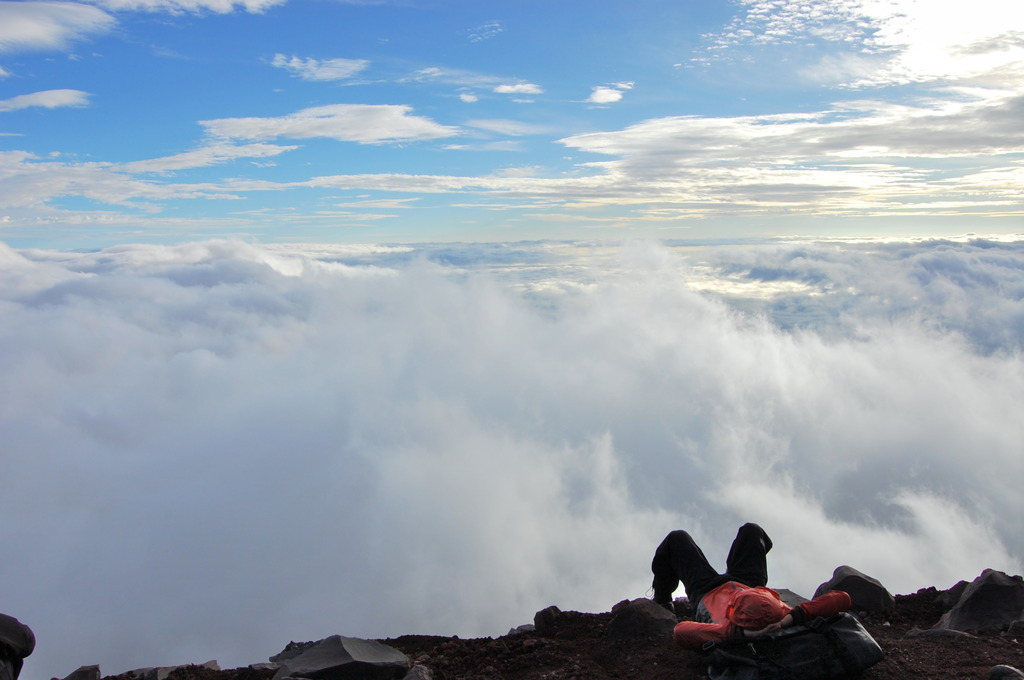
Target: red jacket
{"x":721,"y":603}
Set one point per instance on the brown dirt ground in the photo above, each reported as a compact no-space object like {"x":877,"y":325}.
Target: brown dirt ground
{"x":575,"y":648}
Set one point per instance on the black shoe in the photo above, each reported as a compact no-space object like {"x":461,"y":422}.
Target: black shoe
{"x":667,"y":604}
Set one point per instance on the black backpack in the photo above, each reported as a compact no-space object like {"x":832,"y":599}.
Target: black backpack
{"x":836,"y":647}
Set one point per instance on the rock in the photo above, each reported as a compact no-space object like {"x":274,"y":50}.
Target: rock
{"x":525,"y":628}
{"x":292,"y":650}
{"x":161,"y":672}
{"x":641,"y":618}
{"x":419,"y":672}
{"x":544,"y":620}
{"x":948,"y":598}
{"x":1005,"y":673}
{"x":789,"y":597}
{"x":867,"y":593}
{"x":343,"y":658}
{"x":993,"y":600}
{"x":683,"y":608}
{"x":936,"y":633}
{"x":85,"y":673}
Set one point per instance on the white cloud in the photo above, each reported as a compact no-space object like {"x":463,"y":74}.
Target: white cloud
{"x":519,"y":88}
{"x":48,"y":99}
{"x":28,"y":183}
{"x":203,"y":415}
{"x":862,"y":156}
{"x":194,"y":6}
{"x":609,"y":94}
{"x":469,"y":98}
{"x":48,"y":25}
{"x":605,"y":95}
{"x":315,"y":69}
{"x":362,"y":123}
{"x":889,"y":42}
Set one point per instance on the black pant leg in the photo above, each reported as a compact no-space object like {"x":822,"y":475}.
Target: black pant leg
{"x":747,"y":561}
{"x":680,"y":559}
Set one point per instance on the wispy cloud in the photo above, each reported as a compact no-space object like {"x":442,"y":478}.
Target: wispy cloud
{"x":192,"y":6}
{"x":886,"y":43}
{"x":519,"y":88}
{"x":48,"y":99}
{"x":485,"y":31}
{"x":362,"y":123}
{"x":49,"y":25}
{"x":214,"y":154}
{"x":316,"y":69}
{"x":512,"y":128}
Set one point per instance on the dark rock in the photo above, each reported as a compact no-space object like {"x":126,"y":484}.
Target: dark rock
{"x":343,"y":658}
{"x":947,"y":599}
{"x":85,"y":673}
{"x":867,"y":594}
{"x":1005,"y":673}
{"x":993,"y":600}
{"x":641,"y":618}
{"x":544,"y":620}
{"x":162,"y":672}
{"x":292,"y":650}
{"x":682,"y":608}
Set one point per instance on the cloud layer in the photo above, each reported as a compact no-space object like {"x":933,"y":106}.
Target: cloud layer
{"x":216,"y":448}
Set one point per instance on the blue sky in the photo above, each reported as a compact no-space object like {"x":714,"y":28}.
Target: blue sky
{"x":331,"y":121}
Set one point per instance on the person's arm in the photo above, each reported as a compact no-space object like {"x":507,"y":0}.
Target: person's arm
{"x":693,"y":635}
{"x":785,"y":622}
{"x":832,"y":602}
{"x":826,"y":605}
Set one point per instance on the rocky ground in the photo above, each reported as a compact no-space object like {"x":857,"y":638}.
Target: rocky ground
{"x":575,"y":648}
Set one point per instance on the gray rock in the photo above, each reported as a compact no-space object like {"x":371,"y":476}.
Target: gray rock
{"x":640,"y":618}
{"x":85,"y":673}
{"x":1005,"y":673}
{"x":789,"y":597}
{"x":993,"y":600}
{"x":343,"y":658}
{"x":525,"y":628}
{"x":937,"y":633}
{"x":419,"y":672}
{"x":867,"y":594}
{"x":292,"y":650}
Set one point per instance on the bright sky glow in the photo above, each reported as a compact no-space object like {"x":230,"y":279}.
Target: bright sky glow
{"x":291,"y":120}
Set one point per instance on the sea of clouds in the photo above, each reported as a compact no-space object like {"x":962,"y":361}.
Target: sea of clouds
{"x":215,"y":448}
